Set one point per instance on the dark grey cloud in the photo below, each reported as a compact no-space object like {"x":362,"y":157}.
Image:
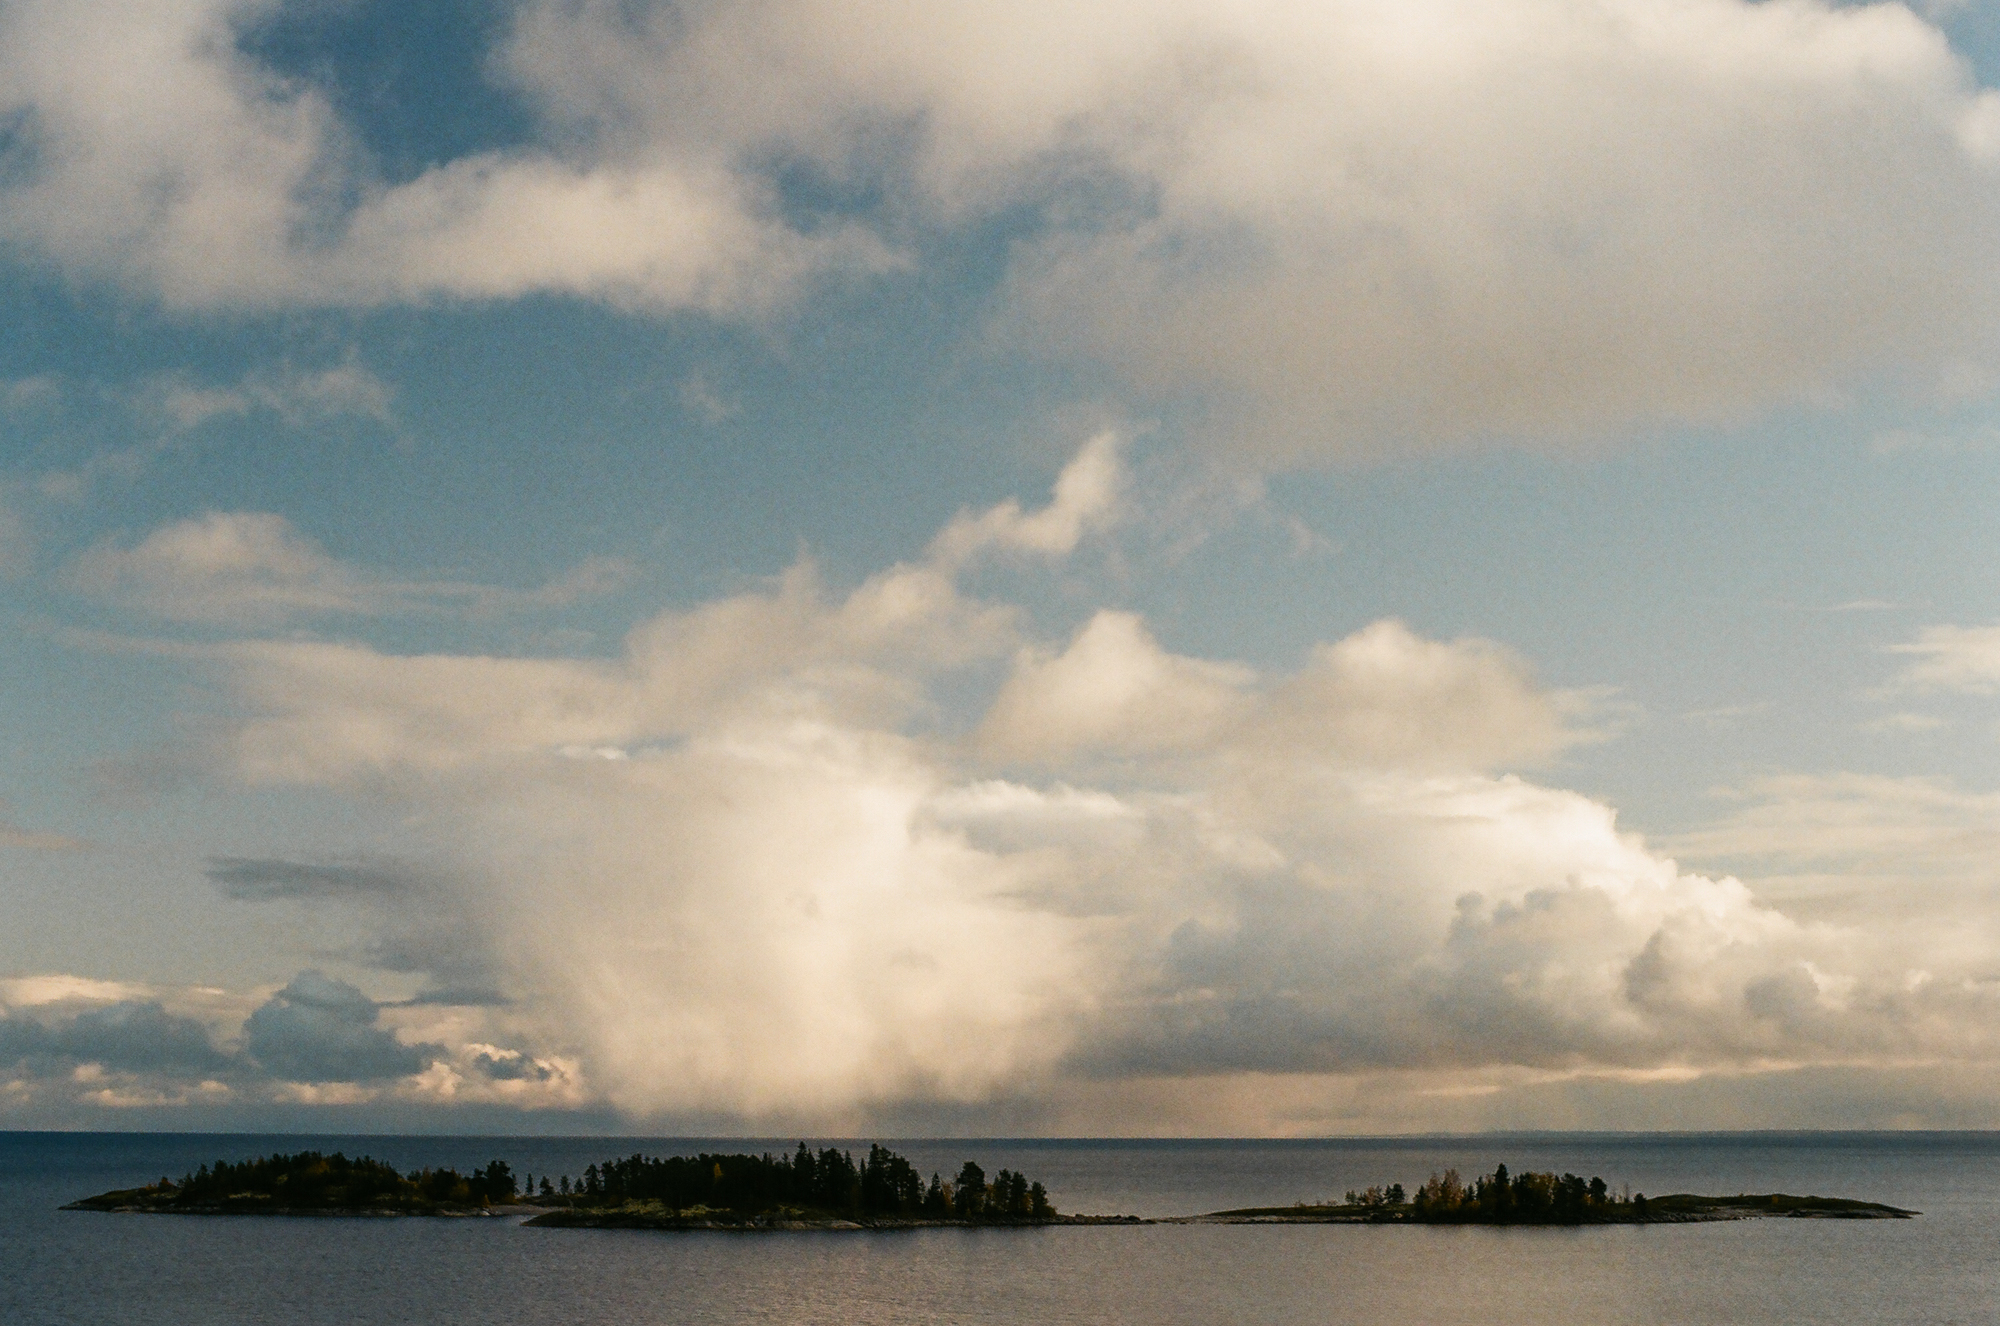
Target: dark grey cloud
{"x":24,"y":1038}
{"x":318,"y":1029}
{"x":263,"y":879}
{"x":420,"y":924}
{"x":514,"y":1068}
{"x":453,"y":996}
{"x":143,"y":1037}
{"x":131,"y":1036}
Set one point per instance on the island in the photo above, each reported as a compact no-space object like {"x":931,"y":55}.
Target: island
{"x":828,"y":1189}
{"x":1532,"y":1198}
{"x":805,"y":1190}
{"x":824,"y":1189}
{"x":309,"y":1183}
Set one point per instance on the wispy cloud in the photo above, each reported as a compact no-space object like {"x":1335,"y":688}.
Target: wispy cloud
{"x":17,"y":537}
{"x":1891,"y":853}
{"x":171,"y":411}
{"x":702,"y":400}
{"x":1946,"y":441}
{"x":297,"y":396}
{"x":13,"y":836}
{"x":28,"y":840}
{"x":1903,"y":723}
{"x":255,"y":567}
{"x":1952,"y":658}
{"x":1728,"y":715}
{"x":263,"y":880}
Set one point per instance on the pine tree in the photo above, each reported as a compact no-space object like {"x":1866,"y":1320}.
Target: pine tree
{"x":969,"y":1194}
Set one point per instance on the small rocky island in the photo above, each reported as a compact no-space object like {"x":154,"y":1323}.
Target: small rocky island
{"x":828,"y":1189}
{"x":1531,"y":1198}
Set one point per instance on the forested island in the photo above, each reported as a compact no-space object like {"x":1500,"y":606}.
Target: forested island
{"x":1532,"y":1198}
{"x":309,"y":1183}
{"x":828,"y":1189}
{"x":807,"y":1189}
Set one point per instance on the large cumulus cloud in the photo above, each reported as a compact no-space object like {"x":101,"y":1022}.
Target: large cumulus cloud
{"x":1348,"y":226}
{"x":742,"y":872}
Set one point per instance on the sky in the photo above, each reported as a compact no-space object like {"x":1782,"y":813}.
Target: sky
{"x":1181,"y":568}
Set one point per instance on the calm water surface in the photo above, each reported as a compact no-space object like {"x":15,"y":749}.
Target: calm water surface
{"x":77,"y":1267}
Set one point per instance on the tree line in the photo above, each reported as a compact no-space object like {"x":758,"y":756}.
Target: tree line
{"x":310,"y":1180}
{"x":827,"y":1181}
{"x":1527,"y":1198}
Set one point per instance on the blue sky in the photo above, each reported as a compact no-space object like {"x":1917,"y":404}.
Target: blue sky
{"x":797,"y":564}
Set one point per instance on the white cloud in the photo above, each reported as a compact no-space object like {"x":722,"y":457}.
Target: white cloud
{"x":256,"y":567}
{"x":297,"y":396}
{"x":794,"y":901}
{"x":1352,"y":226}
{"x":1952,"y":658}
{"x":1086,"y":499}
{"x":38,"y":991}
{"x":1384,"y":696}
{"x":161,"y":157}
{"x":1112,"y":689}
{"x":1366,"y":224}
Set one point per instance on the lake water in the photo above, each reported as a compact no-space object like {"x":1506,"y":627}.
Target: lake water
{"x":78,"y":1267}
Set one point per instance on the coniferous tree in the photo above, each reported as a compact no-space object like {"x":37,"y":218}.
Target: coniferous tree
{"x":498,"y":1179}
{"x":803,"y":1174}
{"x":969,"y":1193}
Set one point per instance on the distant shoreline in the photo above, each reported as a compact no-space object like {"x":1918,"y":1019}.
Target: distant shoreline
{"x":827,"y":1190}
{"x":1674,"y":1209}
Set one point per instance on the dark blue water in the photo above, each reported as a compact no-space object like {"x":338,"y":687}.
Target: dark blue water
{"x":77,"y":1267}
